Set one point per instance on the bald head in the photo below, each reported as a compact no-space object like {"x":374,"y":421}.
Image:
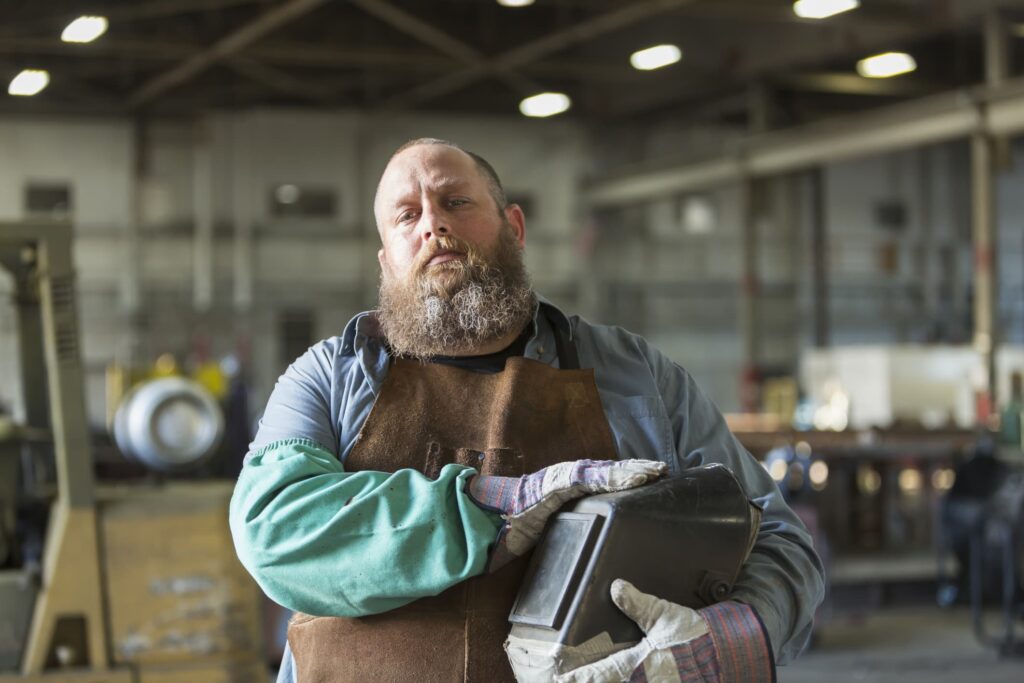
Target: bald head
{"x":484,"y":169}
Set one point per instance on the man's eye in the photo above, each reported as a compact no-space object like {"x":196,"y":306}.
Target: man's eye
{"x":406,"y":216}
{"x":457,"y":202}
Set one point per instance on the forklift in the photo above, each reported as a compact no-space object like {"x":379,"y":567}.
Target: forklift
{"x":61,"y":594}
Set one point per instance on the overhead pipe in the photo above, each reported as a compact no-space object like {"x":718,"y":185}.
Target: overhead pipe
{"x":982,"y":110}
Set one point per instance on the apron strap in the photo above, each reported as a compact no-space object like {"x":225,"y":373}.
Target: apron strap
{"x":568,"y":356}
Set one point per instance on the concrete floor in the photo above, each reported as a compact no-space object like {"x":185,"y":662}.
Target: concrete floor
{"x":904,"y":644}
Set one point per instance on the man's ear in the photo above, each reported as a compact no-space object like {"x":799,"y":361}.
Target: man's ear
{"x":516,"y":217}
{"x":380,"y":258}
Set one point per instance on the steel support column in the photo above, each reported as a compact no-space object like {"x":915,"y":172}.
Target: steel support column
{"x":988,"y":152}
{"x":750,"y":333}
{"x":130,"y":285}
{"x":202,"y":205}
{"x":819,"y":258}
{"x":983,"y":239}
{"x":243,"y":201}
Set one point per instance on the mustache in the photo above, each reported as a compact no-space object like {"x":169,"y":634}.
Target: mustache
{"x":443,"y":244}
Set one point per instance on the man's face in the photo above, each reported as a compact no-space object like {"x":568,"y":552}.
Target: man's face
{"x":452,"y":275}
{"x":434,"y":211}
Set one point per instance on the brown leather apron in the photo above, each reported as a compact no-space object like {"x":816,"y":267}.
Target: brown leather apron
{"x":510,"y":423}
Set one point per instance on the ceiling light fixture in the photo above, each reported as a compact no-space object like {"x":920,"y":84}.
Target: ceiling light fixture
{"x":84,"y":30}
{"x":515,"y":3}
{"x":29,"y":82}
{"x":655,"y":57}
{"x":886,"y":65}
{"x":822,"y":9}
{"x":545,"y":104}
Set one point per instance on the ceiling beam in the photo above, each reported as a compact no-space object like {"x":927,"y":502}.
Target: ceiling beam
{"x":588,"y":29}
{"x":135,"y":49}
{"x":532,"y":51}
{"x":223,"y":48}
{"x":301,"y":55}
{"x":154,"y":9}
{"x":282,"y":81}
{"x":690,"y":96}
{"x":419,"y":29}
{"x":442,"y":42}
{"x":586,"y":72}
{"x":82,"y":91}
{"x":296,"y":54}
{"x":757,"y":11}
{"x":796,"y":55}
{"x":843,"y":83}
{"x":278,"y":53}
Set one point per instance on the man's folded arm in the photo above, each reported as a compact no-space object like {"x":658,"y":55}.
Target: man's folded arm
{"x":328,"y":542}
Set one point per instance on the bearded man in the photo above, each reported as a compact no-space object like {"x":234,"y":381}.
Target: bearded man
{"x":403,"y":468}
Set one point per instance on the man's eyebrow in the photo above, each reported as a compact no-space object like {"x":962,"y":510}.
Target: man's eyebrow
{"x":441,"y":184}
{"x":448,"y":183}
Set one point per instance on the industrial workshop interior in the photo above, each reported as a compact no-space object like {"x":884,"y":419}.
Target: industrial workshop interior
{"x":511,"y":340}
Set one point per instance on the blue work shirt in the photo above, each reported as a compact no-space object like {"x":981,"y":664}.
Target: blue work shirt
{"x":654,"y":408}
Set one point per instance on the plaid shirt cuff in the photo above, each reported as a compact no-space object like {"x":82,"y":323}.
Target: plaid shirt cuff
{"x":496,"y":494}
{"x":740,"y":643}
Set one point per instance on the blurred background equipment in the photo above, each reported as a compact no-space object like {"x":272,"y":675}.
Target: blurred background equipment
{"x":163,"y":596}
{"x":982,"y":518}
{"x":59,"y":581}
{"x":170,"y":424}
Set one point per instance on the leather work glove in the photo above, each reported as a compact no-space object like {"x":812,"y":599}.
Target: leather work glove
{"x":527,"y":502}
{"x":664,"y":654}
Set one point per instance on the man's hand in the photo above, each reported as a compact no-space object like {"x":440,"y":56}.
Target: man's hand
{"x":664,"y":654}
{"x":527,"y":502}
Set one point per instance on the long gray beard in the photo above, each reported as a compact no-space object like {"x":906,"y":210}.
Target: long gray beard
{"x":422,"y":320}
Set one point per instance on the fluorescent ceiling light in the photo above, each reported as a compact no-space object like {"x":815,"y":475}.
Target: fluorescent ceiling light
{"x":84,"y":30}
{"x":29,"y":82}
{"x":822,"y":9}
{"x":515,"y":3}
{"x":287,"y":194}
{"x":655,"y":57}
{"x":700,"y":215}
{"x":886,"y":65}
{"x":545,"y":104}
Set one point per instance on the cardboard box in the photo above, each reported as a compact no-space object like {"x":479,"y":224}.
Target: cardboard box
{"x":175,"y":589}
{"x":233,"y":670}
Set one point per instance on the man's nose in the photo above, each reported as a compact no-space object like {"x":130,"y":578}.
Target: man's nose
{"x":433,"y":223}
